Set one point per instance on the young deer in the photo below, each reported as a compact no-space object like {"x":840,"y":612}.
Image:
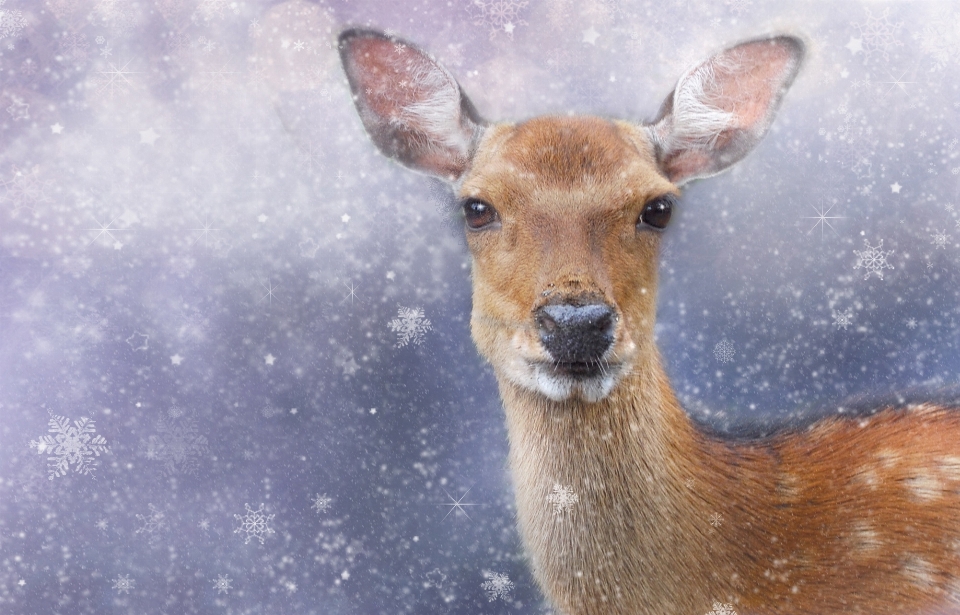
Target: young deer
{"x":563,"y":217}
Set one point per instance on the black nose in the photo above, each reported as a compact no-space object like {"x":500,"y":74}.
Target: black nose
{"x":576,"y":334}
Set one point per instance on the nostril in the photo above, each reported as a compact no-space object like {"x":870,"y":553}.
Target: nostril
{"x":546,"y":323}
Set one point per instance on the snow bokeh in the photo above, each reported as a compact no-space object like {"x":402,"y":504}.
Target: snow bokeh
{"x":249,"y":331}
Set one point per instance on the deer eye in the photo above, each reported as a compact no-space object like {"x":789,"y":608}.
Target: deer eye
{"x":479,"y":214}
{"x":656,"y":213}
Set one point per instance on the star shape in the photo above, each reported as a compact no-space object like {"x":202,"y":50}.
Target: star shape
{"x":269,"y":359}
{"x":895,"y":187}
{"x":21,"y":582}
{"x":148,"y":136}
{"x":391,"y":275}
{"x":855,"y":45}
{"x":345,"y":218}
{"x":262,"y":218}
{"x":56,"y":128}
{"x":176,"y":359}
{"x":591,"y":36}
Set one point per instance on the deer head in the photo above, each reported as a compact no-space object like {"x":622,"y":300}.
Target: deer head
{"x":564,"y":215}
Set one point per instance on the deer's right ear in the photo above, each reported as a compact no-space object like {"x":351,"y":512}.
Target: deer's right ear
{"x":412,"y":107}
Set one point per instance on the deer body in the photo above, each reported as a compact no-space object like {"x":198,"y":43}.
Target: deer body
{"x":563,"y":217}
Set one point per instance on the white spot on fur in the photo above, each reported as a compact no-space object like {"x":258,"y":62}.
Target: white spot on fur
{"x":924,"y":486}
{"x":864,"y":538}
{"x":950,"y":468}
{"x":868,"y":477}
{"x":889,"y":458}
{"x":918,"y":571}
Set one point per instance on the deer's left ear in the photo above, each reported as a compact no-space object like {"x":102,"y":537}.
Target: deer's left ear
{"x":721,"y":108}
{"x":412,"y":106}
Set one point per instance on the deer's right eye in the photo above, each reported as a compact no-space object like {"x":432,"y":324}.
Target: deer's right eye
{"x":479,"y":214}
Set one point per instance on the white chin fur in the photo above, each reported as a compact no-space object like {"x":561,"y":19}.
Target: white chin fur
{"x":560,"y":388}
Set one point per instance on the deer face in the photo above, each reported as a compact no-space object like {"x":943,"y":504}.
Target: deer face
{"x":564,"y":215}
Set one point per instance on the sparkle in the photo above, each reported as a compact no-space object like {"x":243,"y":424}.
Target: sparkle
{"x":823,"y":220}
{"x":108,"y":230}
{"x":716,"y":519}
{"x":351,"y":295}
{"x":457,"y":505}
{"x":269,"y":287}
{"x":115,"y":81}
{"x":203,"y":232}
{"x":897,"y":82}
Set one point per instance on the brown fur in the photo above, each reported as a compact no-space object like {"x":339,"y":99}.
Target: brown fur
{"x":851,"y":516}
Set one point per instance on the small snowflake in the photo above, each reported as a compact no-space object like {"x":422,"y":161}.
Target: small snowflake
{"x":563,"y":499}
{"x":721,"y":608}
{"x":321,"y":503}
{"x":410,"y":326}
{"x":102,"y":525}
{"x":842,"y":319}
{"x":123,"y":583}
{"x":71,"y":445}
{"x":878,"y":34}
{"x":254,"y":524}
{"x":151,"y":522}
{"x":18,"y":109}
{"x":178,"y":444}
{"x":873,"y":259}
{"x":222,"y":584}
{"x":724,"y":351}
{"x":940,"y":239}
{"x":497,"y":585}
{"x":912,"y":323}
{"x":716,"y":519}
{"x":498,"y":15}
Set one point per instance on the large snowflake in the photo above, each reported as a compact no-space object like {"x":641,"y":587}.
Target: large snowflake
{"x":76,"y":445}
{"x":724,"y":351}
{"x":254,"y":524}
{"x":563,"y":498}
{"x":410,"y":326}
{"x":878,"y":35}
{"x":873,"y":259}
{"x":11,"y":22}
{"x":123,"y":583}
{"x":498,"y":15}
{"x":842,"y":319}
{"x":721,"y":608}
{"x":497,"y":585}
{"x":177,"y":445}
{"x":222,"y":584}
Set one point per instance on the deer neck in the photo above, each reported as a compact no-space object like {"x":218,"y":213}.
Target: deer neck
{"x":647,"y":482}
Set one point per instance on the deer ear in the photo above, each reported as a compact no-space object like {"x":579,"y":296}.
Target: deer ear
{"x":720,"y":109}
{"x":412,"y":107}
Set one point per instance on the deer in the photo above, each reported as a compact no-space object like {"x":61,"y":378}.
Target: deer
{"x":564,"y":216}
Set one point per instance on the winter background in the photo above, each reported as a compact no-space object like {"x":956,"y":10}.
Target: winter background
{"x":235,"y":366}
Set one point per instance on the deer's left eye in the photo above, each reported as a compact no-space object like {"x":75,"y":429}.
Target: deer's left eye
{"x":479,"y":214}
{"x":657,"y":212}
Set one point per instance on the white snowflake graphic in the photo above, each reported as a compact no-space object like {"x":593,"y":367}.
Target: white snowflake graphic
{"x":75,"y":445}
{"x":716,"y":519}
{"x":940,"y":239}
{"x":842,"y":319}
{"x":739,"y":7}
{"x":939,"y":39}
{"x":152,"y":521}
{"x":724,"y":351}
{"x":18,"y":109}
{"x":123,"y":583}
{"x":563,"y":499}
{"x":410,"y":326}
{"x":873,"y":259}
{"x":911,"y":323}
{"x":254,"y":524}
{"x":24,"y":188}
{"x":498,"y":15}
{"x":12,"y":22}
{"x":497,"y":585}
{"x":222,"y":584}
{"x":177,"y":445}
{"x":878,"y":35}
{"x":321,"y":503}
{"x":721,"y":608}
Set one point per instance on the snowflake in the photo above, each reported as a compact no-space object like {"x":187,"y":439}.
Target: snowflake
{"x":75,"y":445}
{"x":151,"y":522}
{"x":74,"y":45}
{"x":940,"y":239}
{"x":873,"y":259}
{"x":18,"y":109}
{"x":721,"y":608}
{"x":123,"y":583}
{"x":24,"y":188}
{"x":563,"y":499}
{"x":842,"y":319}
{"x":724,"y":351}
{"x":254,"y":524}
{"x":716,"y":519}
{"x":498,"y":15}
{"x":222,"y":584}
{"x":497,"y":585}
{"x":878,"y":34}
{"x":177,"y":445}
{"x":739,"y":6}
{"x":12,"y":22}
{"x":938,"y":39}
{"x":912,"y":323}
{"x":410,"y":326}
{"x":435,"y":578}
{"x":321,"y":503}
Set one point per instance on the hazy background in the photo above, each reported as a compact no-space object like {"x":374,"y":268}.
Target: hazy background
{"x":201,"y":252}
